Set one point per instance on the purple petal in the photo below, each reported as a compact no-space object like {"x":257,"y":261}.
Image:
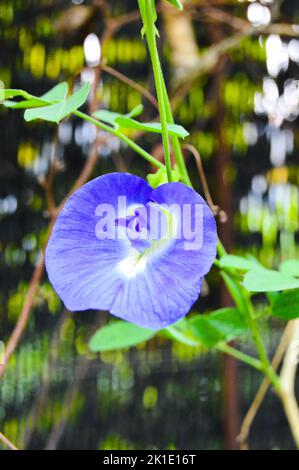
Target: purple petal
{"x":198,"y":260}
{"x":80,"y":266}
{"x":150,"y":287}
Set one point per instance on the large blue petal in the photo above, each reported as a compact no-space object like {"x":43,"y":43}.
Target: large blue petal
{"x":172,"y":279}
{"x":81,"y":267}
{"x":152,"y":290}
{"x":200,"y":260}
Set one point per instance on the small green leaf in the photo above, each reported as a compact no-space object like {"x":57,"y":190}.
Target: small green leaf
{"x":271,"y":296}
{"x":237,"y":262}
{"x":286,"y":305}
{"x":76,"y":100}
{"x":136,"y":111}
{"x":50,"y":113}
{"x":28,"y":104}
{"x":160,"y":177}
{"x":221,"y":325}
{"x":109,"y":117}
{"x":8,"y":93}
{"x":176,"y":3}
{"x":57,"y":93}
{"x":290,"y":267}
{"x":235,"y":289}
{"x":204,"y":331}
{"x":58,"y":111}
{"x":173,"y":129}
{"x":106,"y":116}
{"x":229,"y":322}
{"x":263,"y":280}
{"x":119,"y":335}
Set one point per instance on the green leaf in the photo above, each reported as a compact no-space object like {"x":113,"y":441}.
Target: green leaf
{"x":286,"y":305}
{"x":229,"y":321}
{"x":236,"y":290}
{"x":160,"y":177}
{"x":173,"y":129}
{"x":204,"y":331}
{"x":119,"y":335}
{"x":263,"y":280}
{"x":76,"y":100}
{"x":58,"y":111}
{"x":28,"y":104}
{"x":218,"y":326}
{"x":109,"y":117}
{"x":176,"y":3}
{"x":136,"y":111}
{"x":8,"y":93}
{"x":57,"y":93}
{"x":290,"y":267}
{"x":50,"y":113}
{"x":237,"y":262}
{"x":106,"y":116}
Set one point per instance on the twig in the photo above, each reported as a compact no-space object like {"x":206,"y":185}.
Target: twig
{"x":210,"y":58}
{"x":82,"y":367}
{"x":37,"y":275}
{"x":7,"y":442}
{"x":84,"y":175}
{"x":217,"y":211}
{"x":25,"y":313}
{"x":207,"y":62}
{"x":42,"y":392}
{"x":219,"y":15}
{"x":287,"y":378}
{"x":14,"y":339}
{"x":123,"y":78}
{"x":48,"y":183}
{"x":262,"y":391}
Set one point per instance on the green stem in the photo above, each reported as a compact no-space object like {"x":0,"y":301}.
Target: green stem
{"x":181,"y":337}
{"x":243,"y":302}
{"x":225,"y":348}
{"x":220,"y":248}
{"x":148,"y":13}
{"x":143,"y":153}
{"x":177,"y":149}
{"x":257,"y":337}
{"x":251,"y":361}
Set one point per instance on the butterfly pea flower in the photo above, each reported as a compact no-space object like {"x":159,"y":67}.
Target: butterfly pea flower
{"x":138,"y":252}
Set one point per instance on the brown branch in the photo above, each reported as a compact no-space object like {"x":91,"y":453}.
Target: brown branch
{"x":81,"y":370}
{"x":217,"y":211}
{"x":25,"y":313}
{"x":287,"y":380}
{"x":123,"y":78}
{"x":222,"y":16}
{"x":7,"y":442}
{"x":113,"y":26}
{"x":219,"y":15}
{"x":282,"y":29}
{"x":42,"y":393}
{"x":47,"y":184}
{"x":206,"y":63}
{"x":262,"y":391}
{"x":209,"y":59}
{"x":38,"y":272}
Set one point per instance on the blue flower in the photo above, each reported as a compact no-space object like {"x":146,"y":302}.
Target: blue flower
{"x":139,"y":252}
